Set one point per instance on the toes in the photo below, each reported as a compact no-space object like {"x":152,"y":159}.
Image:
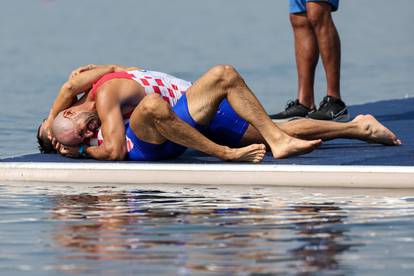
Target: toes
{"x":318,"y":142}
{"x":258,"y":159}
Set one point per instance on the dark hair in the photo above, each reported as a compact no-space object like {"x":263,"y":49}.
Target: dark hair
{"x":45,"y":145}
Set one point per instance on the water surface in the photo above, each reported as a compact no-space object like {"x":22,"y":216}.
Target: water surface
{"x":187,"y":230}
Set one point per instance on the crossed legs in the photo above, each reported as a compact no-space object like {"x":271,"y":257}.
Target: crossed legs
{"x":154,"y":121}
{"x":224,"y":81}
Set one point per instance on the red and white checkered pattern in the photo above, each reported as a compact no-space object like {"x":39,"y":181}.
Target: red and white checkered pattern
{"x":168,"y":87}
{"x":97,"y":138}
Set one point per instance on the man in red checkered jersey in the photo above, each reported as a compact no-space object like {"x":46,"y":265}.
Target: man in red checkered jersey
{"x":218,"y":106}
{"x":160,"y":127}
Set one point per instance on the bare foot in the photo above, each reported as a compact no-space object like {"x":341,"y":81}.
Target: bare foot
{"x":253,"y":153}
{"x":376,"y":132}
{"x":290,"y":146}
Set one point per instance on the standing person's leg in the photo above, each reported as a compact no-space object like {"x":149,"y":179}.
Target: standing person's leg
{"x":307,"y":56}
{"x":224,"y":82}
{"x":154,"y":126}
{"x":319,"y":16}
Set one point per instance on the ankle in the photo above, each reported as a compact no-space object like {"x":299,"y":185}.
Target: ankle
{"x":334,"y":95}
{"x":227,"y":153}
{"x":307,"y":103}
{"x":281,"y":138}
{"x":364,"y":128}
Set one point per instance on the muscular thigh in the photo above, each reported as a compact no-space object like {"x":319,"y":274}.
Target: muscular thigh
{"x":204,"y":97}
{"x":143,"y":125}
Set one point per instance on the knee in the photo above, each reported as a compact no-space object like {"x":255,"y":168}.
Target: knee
{"x":300,"y":21}
{"x":154,"y":106}
{"x":225,"y":74}
{"x":319,"y":15}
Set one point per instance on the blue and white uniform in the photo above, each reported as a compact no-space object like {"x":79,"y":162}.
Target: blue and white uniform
{"x":226,"y":128}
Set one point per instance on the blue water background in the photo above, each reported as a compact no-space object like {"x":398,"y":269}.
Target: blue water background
{"x":93,"y":229}
{"x":43,"y":40}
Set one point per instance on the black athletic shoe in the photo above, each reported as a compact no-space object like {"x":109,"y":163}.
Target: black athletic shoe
{"x":330,"y":108}
{"x":293,"y":110}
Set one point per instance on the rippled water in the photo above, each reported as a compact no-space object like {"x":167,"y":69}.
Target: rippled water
{"x":49,"y":230}
{"x":184,"y":230}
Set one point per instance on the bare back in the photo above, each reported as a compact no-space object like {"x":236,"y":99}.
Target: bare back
{"x":128,"y":93}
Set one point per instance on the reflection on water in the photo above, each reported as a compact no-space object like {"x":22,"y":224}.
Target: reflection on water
{"x":201,"y":233}
{"x":182,"y":230}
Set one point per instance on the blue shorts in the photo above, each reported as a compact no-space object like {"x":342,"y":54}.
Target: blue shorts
{"x":226,"y":128}
{"x":299,"y":6}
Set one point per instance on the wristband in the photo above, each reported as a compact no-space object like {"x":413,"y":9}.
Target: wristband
{"x":82,"y":151}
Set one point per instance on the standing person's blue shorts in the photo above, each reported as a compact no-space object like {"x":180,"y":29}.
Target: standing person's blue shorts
{"x":299,"y":6}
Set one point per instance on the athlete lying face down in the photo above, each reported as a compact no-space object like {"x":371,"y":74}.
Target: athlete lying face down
{"x":167,"y":114}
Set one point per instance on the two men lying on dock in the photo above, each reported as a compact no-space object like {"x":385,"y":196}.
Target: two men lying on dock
{"x":135,"y":114}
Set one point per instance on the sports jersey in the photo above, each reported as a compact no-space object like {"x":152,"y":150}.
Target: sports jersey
{"x":169,"y":87}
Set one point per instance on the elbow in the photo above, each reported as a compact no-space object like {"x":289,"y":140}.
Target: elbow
{"x":68,"y":89}
{"x":118,"y":154}
{"x":113,"y":67}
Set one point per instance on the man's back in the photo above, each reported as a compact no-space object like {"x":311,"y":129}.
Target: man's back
{"x":127,"y":89}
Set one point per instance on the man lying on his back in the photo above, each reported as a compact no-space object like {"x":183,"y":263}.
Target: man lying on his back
{"x":168,"y":115}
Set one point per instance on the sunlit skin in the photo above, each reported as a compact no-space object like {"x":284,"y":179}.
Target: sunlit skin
{"x":73,"y":92}
{"x":363,"y":127}
{"x":75,"y":126}
{"x":154,"y":121}
{"x":123,"y":93}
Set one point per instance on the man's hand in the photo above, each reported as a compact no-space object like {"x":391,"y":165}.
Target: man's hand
{"x":46,"y":128}
{"x":70,"y":151}
{"x":82,"y":69}
{"x":110,"y":67}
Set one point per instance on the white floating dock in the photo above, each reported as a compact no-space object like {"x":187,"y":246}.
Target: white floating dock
{"x":392,"y":177}
{"x":339,"y":163}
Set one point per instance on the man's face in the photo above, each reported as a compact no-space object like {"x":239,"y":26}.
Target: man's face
{"x":73,"y":126}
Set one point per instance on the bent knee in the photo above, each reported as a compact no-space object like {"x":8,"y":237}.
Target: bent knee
{"x":224,"y":73}
{"x":153,"y":105}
